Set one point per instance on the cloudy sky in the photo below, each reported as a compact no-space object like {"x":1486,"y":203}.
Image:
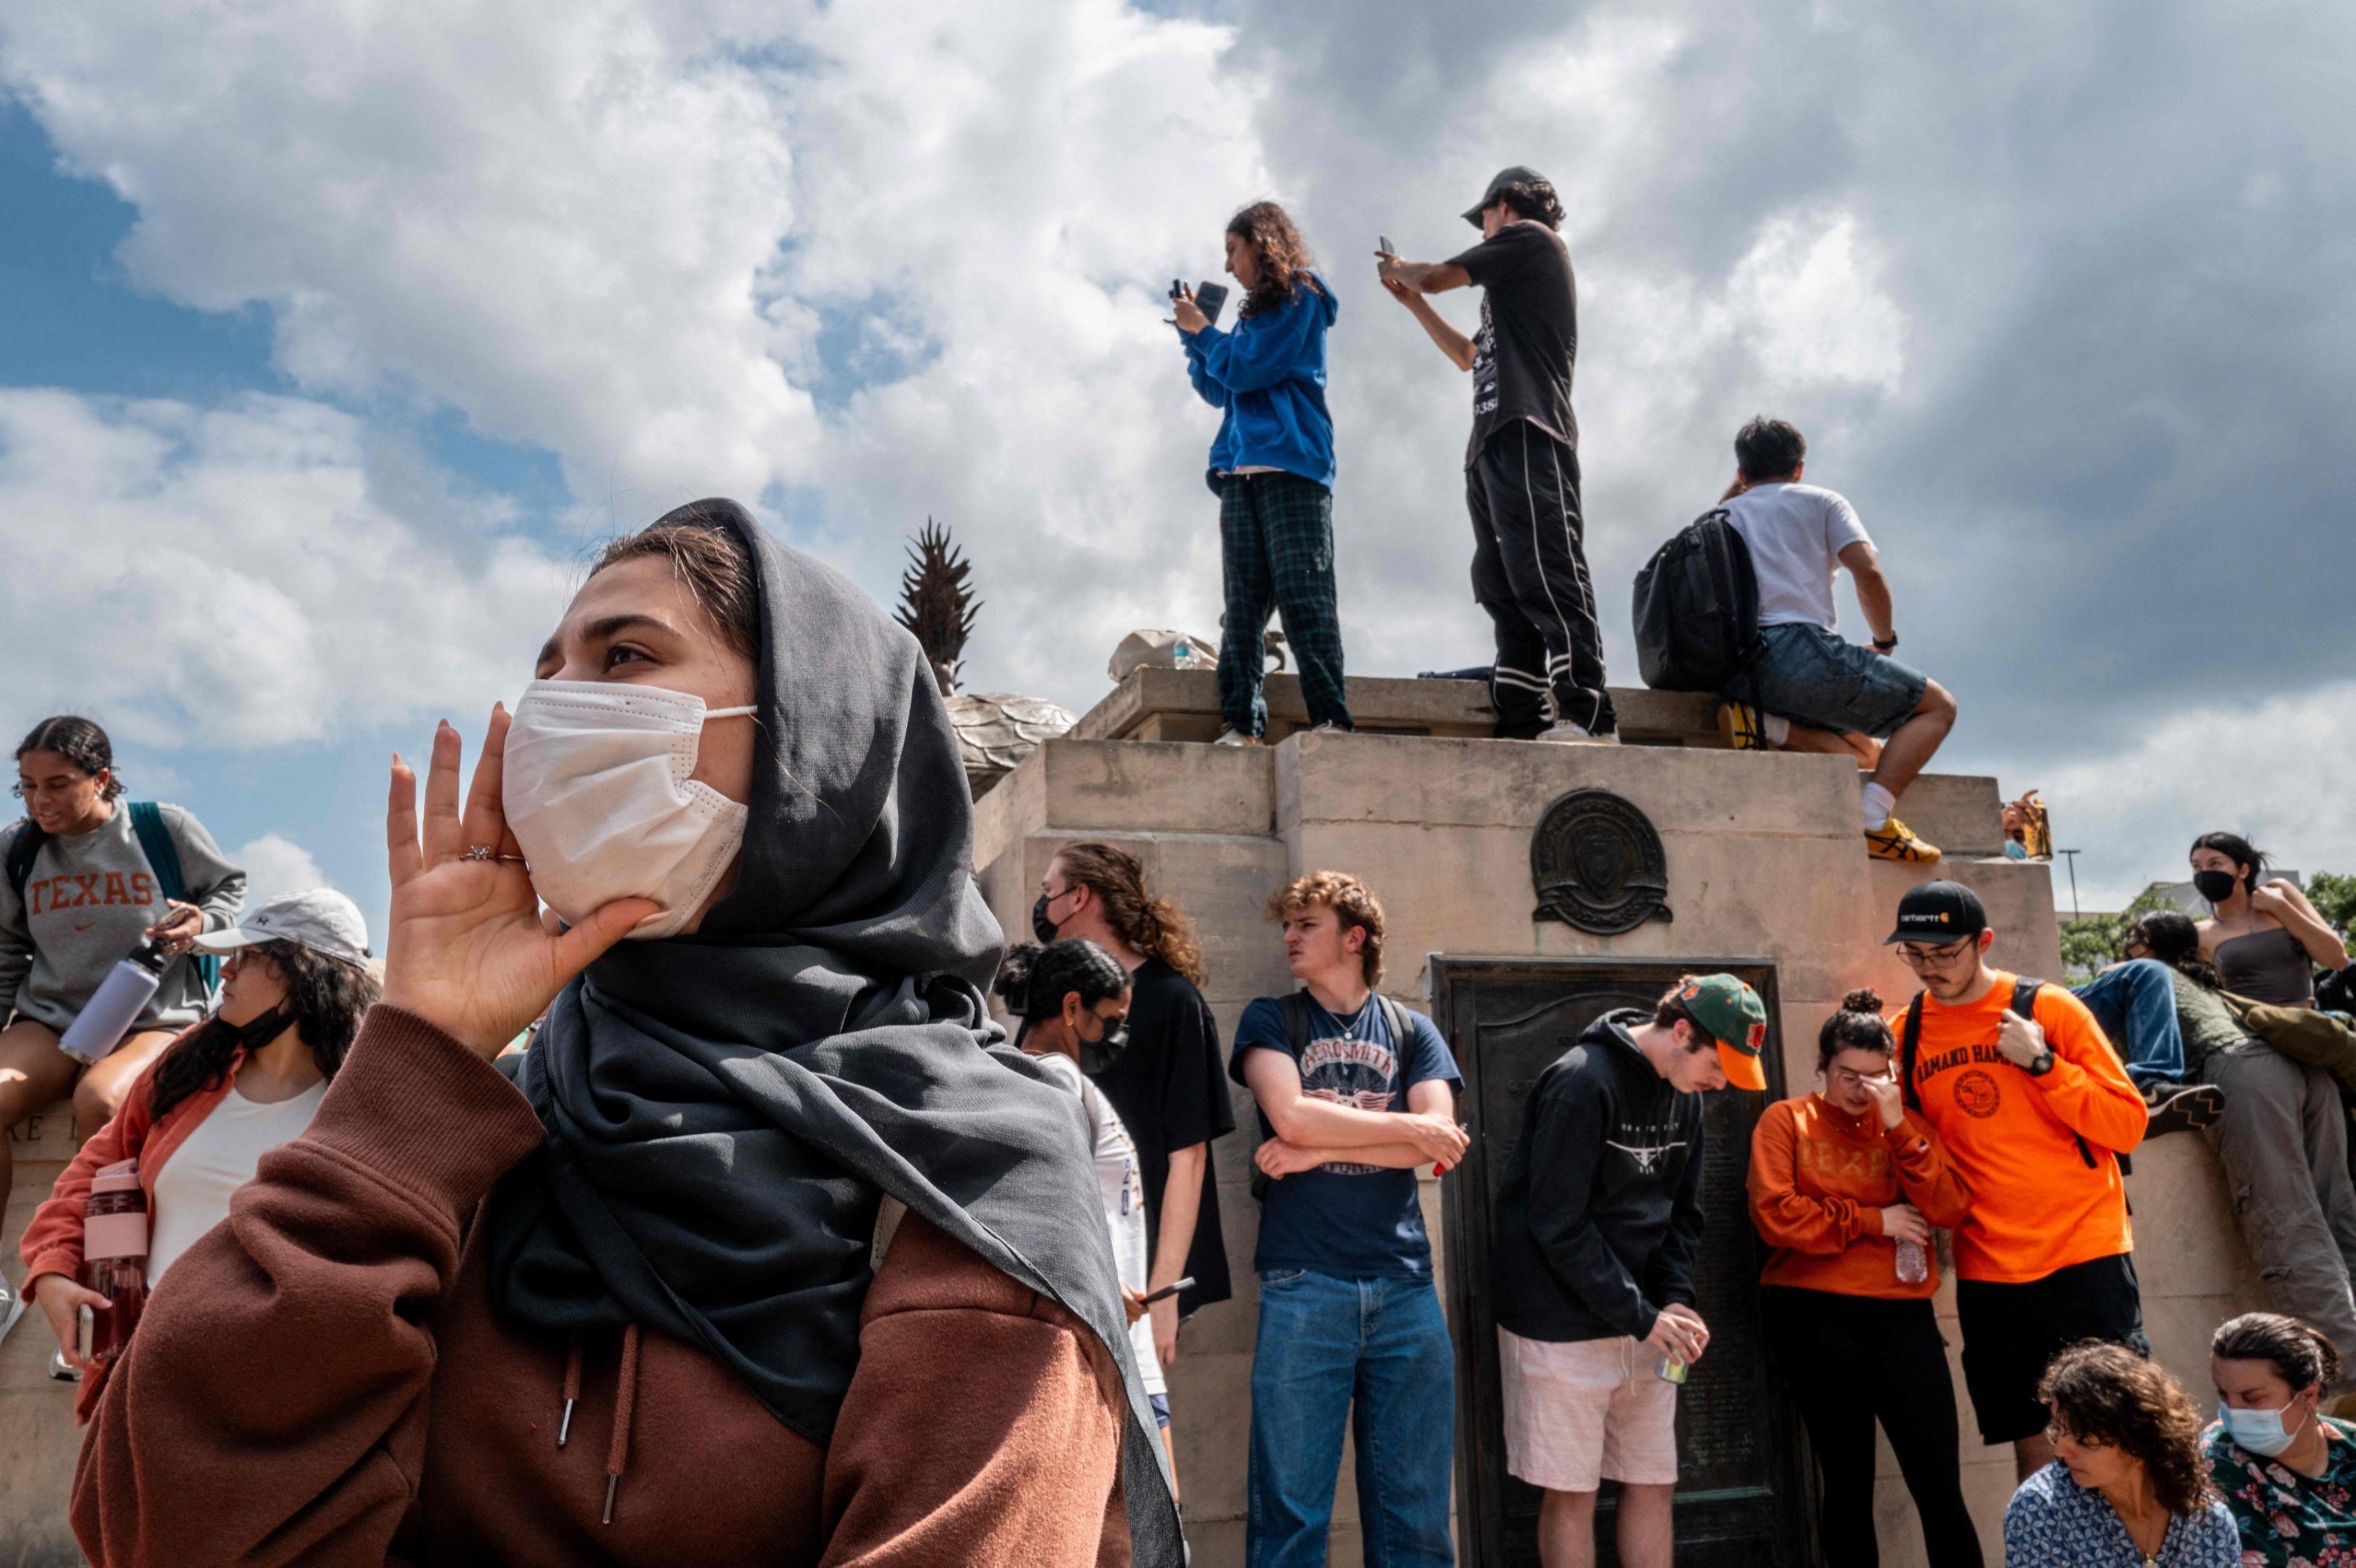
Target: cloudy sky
{"x":332,"y":337}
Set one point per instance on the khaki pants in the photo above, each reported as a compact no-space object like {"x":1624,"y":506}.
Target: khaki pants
{"x":2283,"y":1140}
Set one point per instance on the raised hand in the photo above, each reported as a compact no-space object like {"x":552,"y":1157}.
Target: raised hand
{"x":467,"y":950}
{"x":1888,"y":1099}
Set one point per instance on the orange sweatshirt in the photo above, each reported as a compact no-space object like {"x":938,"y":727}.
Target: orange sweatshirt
{"x":1819,"y":1180}
{"x":2039,"y":1202}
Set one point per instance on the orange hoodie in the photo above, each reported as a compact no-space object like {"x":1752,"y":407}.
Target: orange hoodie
{"x":1819,"y":1180}
{"x":2040,"y":1201}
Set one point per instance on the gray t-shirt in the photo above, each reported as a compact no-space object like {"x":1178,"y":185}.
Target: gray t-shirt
{"x":87,"y":903}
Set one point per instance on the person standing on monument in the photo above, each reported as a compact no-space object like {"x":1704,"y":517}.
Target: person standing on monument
{"x":1271,"y":468}
{"x":2030,"y":1104}
{"x":1170,"y":1085}
{"x":1355,"y":1091}
{"x":1846,"y":1186}
{"x":1597,"y":1221}
{"x":1521,"y":467}
{"x":1813,"y":690}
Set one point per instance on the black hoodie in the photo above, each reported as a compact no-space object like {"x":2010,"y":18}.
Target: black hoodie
{"x":1599,"y":1214}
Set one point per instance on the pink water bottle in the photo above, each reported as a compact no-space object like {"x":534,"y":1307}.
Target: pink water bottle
{"x":115,"y":1257}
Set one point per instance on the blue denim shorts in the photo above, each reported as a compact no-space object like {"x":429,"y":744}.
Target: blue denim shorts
{"x":1161,"y":1403}
{"x":1813,"y":677}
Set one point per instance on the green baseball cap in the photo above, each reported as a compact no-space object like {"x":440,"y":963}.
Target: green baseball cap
{"x":1736,"y":1019}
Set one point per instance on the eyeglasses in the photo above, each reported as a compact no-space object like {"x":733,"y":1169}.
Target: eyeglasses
{"x":2055,"y":1432}
{"x":1918,"y":958}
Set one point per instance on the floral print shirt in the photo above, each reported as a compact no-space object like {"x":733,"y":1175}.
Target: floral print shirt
{"x":2287,"y":1519}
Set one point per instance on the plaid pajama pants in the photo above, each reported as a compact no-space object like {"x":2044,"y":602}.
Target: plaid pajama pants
{"x":1276,"y":553}
{"x":1529,"y":572}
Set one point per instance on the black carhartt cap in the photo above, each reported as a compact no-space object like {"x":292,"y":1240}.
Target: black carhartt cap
{"x":1939,"y":913}
{"x":1519,"y":174}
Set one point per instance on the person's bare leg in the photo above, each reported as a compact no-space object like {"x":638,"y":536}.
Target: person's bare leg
{"x":2030,"y":1454}
{"x":1567,"y":1529}
{"x":1648,"y":1531}
{"x":1170,"y":1447}
{"x":99,"y":1093}
{"x":1909,"y":750}
{"x":1833,"y":743}
{"x":33,"y":1074}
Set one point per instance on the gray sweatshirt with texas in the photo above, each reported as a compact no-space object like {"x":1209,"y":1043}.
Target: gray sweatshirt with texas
{"x":88,"y":901}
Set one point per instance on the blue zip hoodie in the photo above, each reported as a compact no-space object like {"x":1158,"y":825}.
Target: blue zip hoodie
{"x":1267,"y":376}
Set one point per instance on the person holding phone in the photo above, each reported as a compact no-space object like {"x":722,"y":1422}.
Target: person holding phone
{"x":1846,"y":1184}
{"x":616,"y":1299}
{"x":1272,"y":468}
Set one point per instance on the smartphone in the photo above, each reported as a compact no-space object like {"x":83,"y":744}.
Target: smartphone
{"x":1172,"y":1288}
{"x":1383,"y":244}
{"x":1208,"y":298}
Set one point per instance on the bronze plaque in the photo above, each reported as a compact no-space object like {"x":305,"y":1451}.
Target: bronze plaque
{"x":1744,"y":1488}
{"x":1597,"y":864}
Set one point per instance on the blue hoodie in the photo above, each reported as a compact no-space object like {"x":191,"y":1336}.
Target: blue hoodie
{"x":1267,"y":376}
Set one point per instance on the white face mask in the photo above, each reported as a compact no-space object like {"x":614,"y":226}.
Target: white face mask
{"x":595,"y":788}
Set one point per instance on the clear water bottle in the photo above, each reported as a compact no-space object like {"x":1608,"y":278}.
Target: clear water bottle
{"x":115,"y":1257}
{"x":1913,"y":1263}
{"x":115,"y":1006}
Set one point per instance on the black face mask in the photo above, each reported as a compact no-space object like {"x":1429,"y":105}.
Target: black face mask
{"x":2215,"y":886}
{"x":1097,"y":1054}
{"x":261,"y":1030}
{"x":1041,"y":926}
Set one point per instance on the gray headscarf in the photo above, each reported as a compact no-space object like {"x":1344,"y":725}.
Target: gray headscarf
{"x":725,"y":1109}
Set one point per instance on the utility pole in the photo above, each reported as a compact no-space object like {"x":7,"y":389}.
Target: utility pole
{"x":2073,"y":855}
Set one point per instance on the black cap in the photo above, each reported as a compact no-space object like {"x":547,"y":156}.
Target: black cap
{"x":1519,"y":174}
{"x":1939,"y":913}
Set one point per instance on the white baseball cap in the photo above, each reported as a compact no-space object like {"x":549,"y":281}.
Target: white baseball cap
{"x":322,"y":920}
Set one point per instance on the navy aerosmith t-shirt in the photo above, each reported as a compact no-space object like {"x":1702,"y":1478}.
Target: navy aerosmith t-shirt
{"x":1346,"y":1219}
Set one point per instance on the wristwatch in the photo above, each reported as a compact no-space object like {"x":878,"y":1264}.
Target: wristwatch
{"x":1889,"y":645}
{"x":2040,"y":1064}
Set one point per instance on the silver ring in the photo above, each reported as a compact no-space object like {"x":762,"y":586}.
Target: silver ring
{"x":478,"y":853}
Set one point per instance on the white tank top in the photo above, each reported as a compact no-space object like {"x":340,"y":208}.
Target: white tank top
{"x":1122,"y":1184}
{"x":217,"y":1157}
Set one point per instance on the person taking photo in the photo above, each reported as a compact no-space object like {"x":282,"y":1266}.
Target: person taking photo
{"x":1846,"y":1186}
{"x":1272,"y":468}
{"x":1170,"y":1085}
{"x":220,"y":1097}
{"x":1521,"y":466}
{"x":82,"y":892}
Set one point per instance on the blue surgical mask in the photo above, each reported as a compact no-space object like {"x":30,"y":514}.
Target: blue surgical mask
{"x":2259,"y":1431}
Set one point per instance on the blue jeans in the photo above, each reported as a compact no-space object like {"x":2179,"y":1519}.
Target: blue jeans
{"x":1327,"y":1345}
{"x":2135,"y":1003}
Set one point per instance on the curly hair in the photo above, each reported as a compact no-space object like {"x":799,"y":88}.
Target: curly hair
{"x":324,"y":998}
{"x":1534,"y":200}
{"x":79,"y":741}
{"x":711,"y":564}
{"x":2298,"y":1352}
{"x":1033,"y":980}
{"x":1153,"y":925}
{"x":1282,"y":254}
{"x":1858,"y":1026}
{"x":1353,"y":902}
{"x":2171,"y":937}
{"x":2104,"y":1394}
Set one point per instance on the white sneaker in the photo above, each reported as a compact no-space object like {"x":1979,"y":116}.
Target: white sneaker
{"x":1571,"y":734}
{"x":1231,"y":736}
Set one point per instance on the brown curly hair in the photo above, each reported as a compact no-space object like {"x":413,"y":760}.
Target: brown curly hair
{"x":1353,"y":903}
{"x":1284,"y":256}
{"x":2104,"y":1394}
{"x":1153,"y":925}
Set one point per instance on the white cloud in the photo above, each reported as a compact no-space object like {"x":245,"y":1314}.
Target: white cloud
{"x":229,"y":576}
{"x":274,"y":867}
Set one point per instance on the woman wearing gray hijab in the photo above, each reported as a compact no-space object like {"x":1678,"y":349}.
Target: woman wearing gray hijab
{"x":612,"y":1300}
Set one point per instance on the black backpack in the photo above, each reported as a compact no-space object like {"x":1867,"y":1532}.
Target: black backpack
{"x":1698,"y":609}
{"x":2024,"y":1003}
{"x":1296,"y":1030}
{"x":154,"y":842}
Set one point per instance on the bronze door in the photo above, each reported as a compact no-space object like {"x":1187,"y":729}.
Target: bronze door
{"x":1744,"y":1486}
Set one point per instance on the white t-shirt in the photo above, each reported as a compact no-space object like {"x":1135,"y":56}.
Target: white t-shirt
{"x":1122,"y":1186}
{"x":1796,"y":533}
{"x":217,"y":1157}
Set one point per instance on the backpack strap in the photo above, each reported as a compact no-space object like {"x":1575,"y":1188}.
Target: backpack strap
{"x":156,"y":843}
{"x":1394,"y":1019}
{"x":2024,"y":1004}
{"x":22,"y":851}
{"x":1909,"y":1039}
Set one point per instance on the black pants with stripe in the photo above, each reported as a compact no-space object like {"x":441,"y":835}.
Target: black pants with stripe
{"x":1529,"y":572}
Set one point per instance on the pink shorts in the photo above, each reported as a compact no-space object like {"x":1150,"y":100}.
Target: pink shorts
{"x":1578,"y":1413}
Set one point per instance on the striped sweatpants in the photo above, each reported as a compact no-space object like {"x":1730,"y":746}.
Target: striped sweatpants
{"x":1529,"y":572}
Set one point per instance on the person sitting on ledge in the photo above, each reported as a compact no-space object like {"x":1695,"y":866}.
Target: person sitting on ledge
{"x":2265,"y":937}
{"x":1813,"y":690}
{"x":2288,"y":1471}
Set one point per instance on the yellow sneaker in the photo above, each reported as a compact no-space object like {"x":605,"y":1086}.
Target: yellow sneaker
{"x":1741,"y":724}
{"x":1893,"y":840}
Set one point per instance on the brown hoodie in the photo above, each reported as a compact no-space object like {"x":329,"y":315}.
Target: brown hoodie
{"x":324,"y":1383}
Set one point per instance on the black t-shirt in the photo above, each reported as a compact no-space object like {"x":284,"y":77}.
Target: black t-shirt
{"x":1529,"y":334}
{"x":1171,"y":1089}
